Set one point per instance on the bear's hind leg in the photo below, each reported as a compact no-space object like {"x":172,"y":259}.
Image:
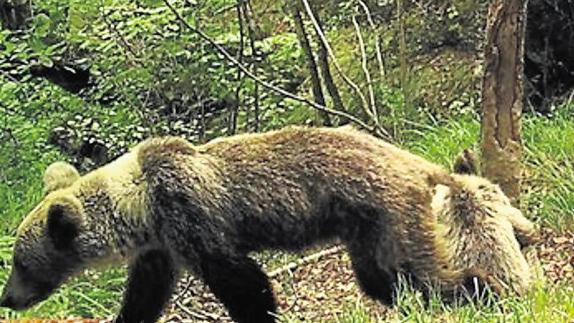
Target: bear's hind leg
{"x":151,"y":281}
{"x":374,"y":281}
{"x":242,"y":286}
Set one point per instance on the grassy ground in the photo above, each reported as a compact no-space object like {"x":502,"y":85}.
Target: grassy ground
{"x":548,"y":198}
{"x":543,"y":304}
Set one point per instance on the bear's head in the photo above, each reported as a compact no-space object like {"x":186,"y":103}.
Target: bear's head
{"x":482,"y":229}
{"x":44,"y":253}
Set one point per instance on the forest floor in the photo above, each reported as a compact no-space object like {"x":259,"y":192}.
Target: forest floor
{"x":324,"y":289}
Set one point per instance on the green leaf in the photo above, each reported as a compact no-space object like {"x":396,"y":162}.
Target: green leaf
{"x":42,"y":25}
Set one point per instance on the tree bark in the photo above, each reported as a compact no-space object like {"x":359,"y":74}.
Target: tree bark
{"x":15,"y":14}
{"x":502,"y":95}
{"x":234,"y":111}
{"x":311,"y":64}
{"x":323,"y":62}
{"x":248,"y":13}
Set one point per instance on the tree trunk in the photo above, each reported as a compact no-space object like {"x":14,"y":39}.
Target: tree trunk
{"x":14,"y":14}
{"x":502,"y":95}
{"x":248,"y":14}
{"x":234,"y":110}
{"x":323,"y":62}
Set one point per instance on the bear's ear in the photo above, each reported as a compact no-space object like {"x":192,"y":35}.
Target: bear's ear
{"x":59,"y":175}
{"x":466,"y":163}
{"x":63,"y":224}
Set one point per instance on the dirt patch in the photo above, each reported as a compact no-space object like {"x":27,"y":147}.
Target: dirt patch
{"x":556,"y":253}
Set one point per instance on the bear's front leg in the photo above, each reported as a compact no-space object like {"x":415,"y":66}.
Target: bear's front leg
{"x":150,"y":284}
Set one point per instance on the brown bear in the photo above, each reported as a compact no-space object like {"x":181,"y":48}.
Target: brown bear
{"x":168,"y":205}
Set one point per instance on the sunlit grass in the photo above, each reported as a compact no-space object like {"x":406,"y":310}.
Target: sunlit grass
{"x":542,"y":304}
{"x":549,"y":157}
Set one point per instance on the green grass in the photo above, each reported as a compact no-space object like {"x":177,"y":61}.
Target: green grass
{"x":442,"y":144}
{"x":23,"y":162}
{"x":542,"y":304}
{"x":356,"y":314}
{"x":549,"y":152}
{"x":549,"y":157}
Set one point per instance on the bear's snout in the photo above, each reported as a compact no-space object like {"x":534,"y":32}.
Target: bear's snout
{"x":7,"y":301}
{"x":14,"y":303}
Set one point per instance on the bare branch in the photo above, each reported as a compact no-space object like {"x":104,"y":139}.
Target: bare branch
{"x":323,"y":61}
{"x":353,"y":85}
{"x":402,"y":49}
{"x":311,"y":64}
{"x":248,"y":10}
{"x":276,"y":89}
{"x":233,"y":111}
{"x":378,"y":47}
{"x":365,"y":66}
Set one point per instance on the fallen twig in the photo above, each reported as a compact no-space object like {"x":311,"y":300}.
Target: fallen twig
{"x":303,"y":261}
{"x":184,"y":290}
{"x":198,"y":314}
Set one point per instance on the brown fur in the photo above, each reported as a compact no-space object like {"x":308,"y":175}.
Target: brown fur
{"x":168,"y":205}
